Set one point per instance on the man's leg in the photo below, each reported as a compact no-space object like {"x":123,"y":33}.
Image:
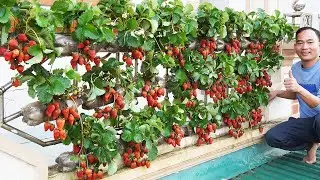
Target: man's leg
{"x":312,"y":152}
{"x":294,"y":134}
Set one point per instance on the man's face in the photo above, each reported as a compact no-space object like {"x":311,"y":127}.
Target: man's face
{"x":307,"y":45}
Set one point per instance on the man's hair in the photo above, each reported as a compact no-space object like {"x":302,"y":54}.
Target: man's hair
{"x":308,"y":28}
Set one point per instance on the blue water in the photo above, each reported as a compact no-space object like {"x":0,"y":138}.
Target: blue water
{"x":230,"y":165}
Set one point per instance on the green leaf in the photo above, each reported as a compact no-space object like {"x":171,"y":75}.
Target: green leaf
{"x":36,"y":59}
{"x":107,"y":34}
{"x":153,"y":152}
{"x":126,"y":136}
{"x":242,"y":69}
{"x":86,"y":17}
{"x":34,"y":50}
{"x":42,"y":21}
{"x":167,"y":131}
{"x":44,"y":93}
{"x":112,"y":167}
{"x":4,"y":34}
{"x":148,"y":45}
{"x":4,"y":15}
{"x":275,"y":29}
{"x":189,"y":67}
{"x":154,"y":25}
{"x":134,"y":41}
{"x":132,"y":24}
{"x":95,"y":92}
{"x":138,"y":138}
{"x":86,"y":143}
{"x":59,"y":84}
{"x":148,"y":144}
{"x":91,"y":32}
{"x":60,"y":5}
{"x":181,"y":76}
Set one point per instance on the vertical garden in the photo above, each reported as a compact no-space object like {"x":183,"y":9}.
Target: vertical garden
{"x":214,"y":65}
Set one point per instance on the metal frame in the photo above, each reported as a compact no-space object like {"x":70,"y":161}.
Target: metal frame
{"x":4,"y":120}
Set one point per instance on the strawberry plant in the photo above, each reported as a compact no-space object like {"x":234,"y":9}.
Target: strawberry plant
{"x":217,"y":66}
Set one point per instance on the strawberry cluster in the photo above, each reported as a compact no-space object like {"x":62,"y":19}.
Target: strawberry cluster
{"x":204,"y":134}
{"x":256,"y":116}
{"x":137,"y":54}
{"x":54,"y":112}
{"x":17,"y":54}
{"x":207,"y":47}
{"x":235,"y":125}
{"x":175,"y":137}
{"x":218,"y":90}
{"x":85,"y":56}
{"x":134,"y":155}
{"x":86,"y":173}
{"x":118,"y":103}
{"x":106,"y":113}
{"x":264,"y":81}
{"x":255,"y":49}
{"x":176,"y":52}
{"x":243,"y":85}
{"x":233,"y":47}
{"x":152,"y":95}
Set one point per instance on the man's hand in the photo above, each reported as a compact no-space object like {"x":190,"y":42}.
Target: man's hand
{"x":272,"y":95}
{"x":291,"y":84}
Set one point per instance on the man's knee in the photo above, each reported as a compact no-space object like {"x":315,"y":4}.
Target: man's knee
{"x":271,"y":138}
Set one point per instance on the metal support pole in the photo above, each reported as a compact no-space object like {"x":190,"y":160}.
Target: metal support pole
{"x":12,"y":117}
{"x":28,"y":136}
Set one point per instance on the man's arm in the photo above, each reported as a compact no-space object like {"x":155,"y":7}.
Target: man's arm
{"x":292,"y":86}
{"x":282,"y":94}
{"x":310,"y":99}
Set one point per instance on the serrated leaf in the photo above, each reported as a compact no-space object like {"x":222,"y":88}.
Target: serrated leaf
{"x":36,"y":59}
{"x":42,"y":21}
{"x":85,"y":17}
{"x":132,"y":24}
{"x":59,"y":84}
{"x":86,"y":143}
{"x":34,"y":50}
{"x":154,"y":25}
{"x":4,"y":15}
{"x":72,"y":74}
{"x":91,"y":32}
{"x":44,"y":93}
{"x":153,"y":152}
{"x":181,"y":76}
{"x":138,"y":138}
{"x":60,"y":5}
{"x":148,"y":45}
{"x":107,"y":34}
{"x":4,"y":34}
{"x":95,"y":92}
{"x":112,"y":167}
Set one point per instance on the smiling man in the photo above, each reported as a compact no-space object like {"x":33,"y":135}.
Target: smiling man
{"x":303,"y":84}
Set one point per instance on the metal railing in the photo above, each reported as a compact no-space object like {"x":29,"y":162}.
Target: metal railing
{"x":4,"y":120}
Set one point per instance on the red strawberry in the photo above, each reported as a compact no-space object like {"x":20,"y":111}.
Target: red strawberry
{"x":76,"y":149}
{"x":31,"y":43}
{"x":47,"y":126}
{"x":13,"y":44}
{"x":56,"y":134}
{"x":113,"y":113}
{"x":129,"y":62}
{"x":2,"y":50}
{"x":92,"y":53}
{"x":20,"y":69}
{"x":16,"y":83}
{"x":91,"y":159}
{"x":22,"y":38}
{"x":15,"y":53}
{"x":7,"y":55}
{"x":60,"y":123}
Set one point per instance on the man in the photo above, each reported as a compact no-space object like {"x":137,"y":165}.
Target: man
{"x":303,"y":84}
